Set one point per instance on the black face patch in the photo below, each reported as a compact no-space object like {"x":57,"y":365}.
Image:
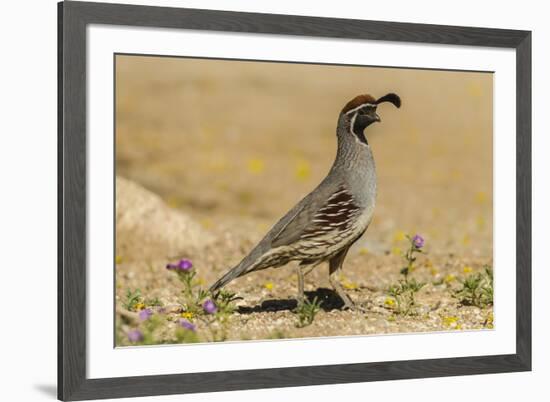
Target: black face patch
{"x":363,"y":118}
{"x":358,"y":130}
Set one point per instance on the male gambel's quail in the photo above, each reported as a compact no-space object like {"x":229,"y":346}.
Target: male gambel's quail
{"x":324,"y":225}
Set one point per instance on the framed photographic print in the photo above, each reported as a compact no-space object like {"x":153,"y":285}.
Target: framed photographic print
{"x":258,"y":201}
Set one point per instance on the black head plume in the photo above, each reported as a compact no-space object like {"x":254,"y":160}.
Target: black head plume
{"x":392,"y":98}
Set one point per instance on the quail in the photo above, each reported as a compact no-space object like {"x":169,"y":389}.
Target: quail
{"x":326,"y":222}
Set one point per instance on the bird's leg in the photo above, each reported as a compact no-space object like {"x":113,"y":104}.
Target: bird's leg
{"x":334,"y":265}
{"x":300,"y":275}
{"x":348,"y":303}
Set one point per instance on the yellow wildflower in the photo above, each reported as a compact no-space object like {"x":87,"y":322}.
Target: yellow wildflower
{"x":467,"y":269}
{"x":350,"y":285}
{"x":449,"y":278}
{"x":255,"y":166}
{"x":481,"y":197}
{"x":268,"y":286}
{"x":363,"y":251}
{"x":173,"y":202}
{"x":206,"y":223}
{"x":399,"y":236}
{"x":118,"y":260}
{"x":450,"y":321}
{"x":396,"y":251}
{"x":187,"y":314}
{"x":140,"y":306}
{"x":302,"y":170}
{"x":389,"y":302}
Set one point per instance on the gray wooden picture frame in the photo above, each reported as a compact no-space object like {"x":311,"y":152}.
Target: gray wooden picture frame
{"x":73,"y":18}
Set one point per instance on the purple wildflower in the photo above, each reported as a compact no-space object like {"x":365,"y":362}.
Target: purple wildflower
{"x":145,"y":314}
{"x":209,"y":307}
{"x":183,"y":265}
{"x":187,"y":325}
{"x":135,"y":335}
{"x":418,"y":241}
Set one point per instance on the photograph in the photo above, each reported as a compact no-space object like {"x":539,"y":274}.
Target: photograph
{"x":260,"y":200}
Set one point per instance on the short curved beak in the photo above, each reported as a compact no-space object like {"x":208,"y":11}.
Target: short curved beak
{"x":373,"y":117}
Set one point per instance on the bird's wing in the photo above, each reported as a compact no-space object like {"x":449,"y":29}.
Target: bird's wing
{"x":317,"y":216}
{"x":293,"y":228}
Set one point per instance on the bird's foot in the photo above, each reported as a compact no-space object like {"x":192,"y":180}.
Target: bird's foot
{"x":348,"y":303}
{"x":354,"y":307}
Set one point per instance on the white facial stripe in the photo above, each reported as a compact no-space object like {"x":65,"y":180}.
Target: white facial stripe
{"x":359,"y":107}
{"x":352,"y":124}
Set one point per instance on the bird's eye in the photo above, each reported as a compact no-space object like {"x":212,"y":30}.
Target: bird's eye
{"x":366,"y":109}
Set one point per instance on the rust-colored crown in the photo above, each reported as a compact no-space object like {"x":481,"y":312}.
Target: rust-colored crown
{"x":358,"y":101}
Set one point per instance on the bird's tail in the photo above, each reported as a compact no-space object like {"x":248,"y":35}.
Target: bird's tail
{"x":224,"y":280}
{"x":241,"y":269}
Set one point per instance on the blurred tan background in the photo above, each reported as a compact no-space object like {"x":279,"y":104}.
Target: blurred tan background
{"x":244,"y":141}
